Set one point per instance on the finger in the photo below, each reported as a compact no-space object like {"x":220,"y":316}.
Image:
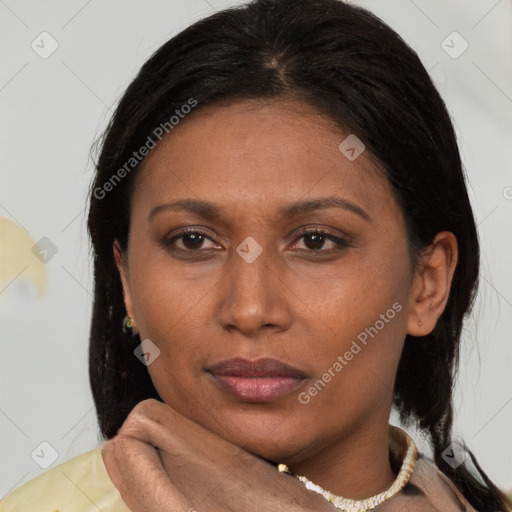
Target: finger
{"x":190,"y":454}
{"x":138,"y":473}
{"x":158,"y":424}
{"x":229,"y":475}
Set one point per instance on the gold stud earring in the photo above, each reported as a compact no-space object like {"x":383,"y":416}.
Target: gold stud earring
{"x":420,"y":324}
{"x":128,"y":325}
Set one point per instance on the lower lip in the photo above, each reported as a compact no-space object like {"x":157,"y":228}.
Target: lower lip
{"x":258,"y":389}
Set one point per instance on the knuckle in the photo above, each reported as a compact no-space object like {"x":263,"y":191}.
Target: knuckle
{"x":145,"y":408}
{"x":144,"y":415}
{"x":120,"y":443}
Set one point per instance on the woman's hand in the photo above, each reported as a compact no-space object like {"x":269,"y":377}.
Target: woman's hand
{"x":161,"y":461}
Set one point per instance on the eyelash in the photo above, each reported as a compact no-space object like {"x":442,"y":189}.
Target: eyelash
{"x":341,"y":244}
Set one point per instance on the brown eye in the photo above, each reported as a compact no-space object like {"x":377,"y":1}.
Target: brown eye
{"x":314,"y":240}
{"x":191,"y":240}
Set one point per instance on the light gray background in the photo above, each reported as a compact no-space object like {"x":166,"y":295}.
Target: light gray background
{"x":52,"y":110}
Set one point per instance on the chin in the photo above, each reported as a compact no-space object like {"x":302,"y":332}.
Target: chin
{"x":260,"y":433}
{"x":272,"y":448}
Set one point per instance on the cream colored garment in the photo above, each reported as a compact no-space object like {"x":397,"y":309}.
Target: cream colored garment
{"x":82,"y":484}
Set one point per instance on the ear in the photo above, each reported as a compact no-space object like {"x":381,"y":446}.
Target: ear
{"x":122,"y":267}
{"x":432,"y":283}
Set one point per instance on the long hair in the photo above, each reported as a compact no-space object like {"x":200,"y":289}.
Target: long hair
{"x":352,"y":67}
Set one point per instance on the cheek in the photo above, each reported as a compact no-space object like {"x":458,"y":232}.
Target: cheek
{"x":362,"y":318}
{"x":341,"y":302}
{"x":165,"y":298}
{"x":355,"y":372}
{"x":169,"y":312}
{"x":365,"y":352}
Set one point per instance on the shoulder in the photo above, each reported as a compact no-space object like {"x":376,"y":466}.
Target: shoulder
{"x":81,"y":484}
{"x":429,"y":490}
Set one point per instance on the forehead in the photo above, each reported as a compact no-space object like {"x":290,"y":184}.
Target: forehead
{"x":256,"y":153}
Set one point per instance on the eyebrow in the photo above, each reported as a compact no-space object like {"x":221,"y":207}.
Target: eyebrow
{"x":212,"y":211}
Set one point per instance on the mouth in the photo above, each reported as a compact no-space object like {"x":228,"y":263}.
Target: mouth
{"x":263,"y":380}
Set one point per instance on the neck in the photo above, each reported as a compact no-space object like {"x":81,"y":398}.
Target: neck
{"x":356,"y":466}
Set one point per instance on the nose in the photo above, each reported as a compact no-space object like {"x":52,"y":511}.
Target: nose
{"x":254,"y":297}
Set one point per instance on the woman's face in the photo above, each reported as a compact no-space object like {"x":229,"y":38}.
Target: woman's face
{"x":253,"y":286}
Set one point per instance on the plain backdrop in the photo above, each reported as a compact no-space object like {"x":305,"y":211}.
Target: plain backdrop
{"x":52,"y":110}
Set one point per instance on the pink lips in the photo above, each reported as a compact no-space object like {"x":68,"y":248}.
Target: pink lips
{"x":263,"y":380}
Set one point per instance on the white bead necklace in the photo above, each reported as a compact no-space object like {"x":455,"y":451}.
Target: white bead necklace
{"x":349,"y":505}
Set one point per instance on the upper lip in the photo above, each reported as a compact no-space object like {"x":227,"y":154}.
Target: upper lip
{"x":264,"y":367}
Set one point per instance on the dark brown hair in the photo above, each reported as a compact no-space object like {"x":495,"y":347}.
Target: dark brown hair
{"x":355,"y":69}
